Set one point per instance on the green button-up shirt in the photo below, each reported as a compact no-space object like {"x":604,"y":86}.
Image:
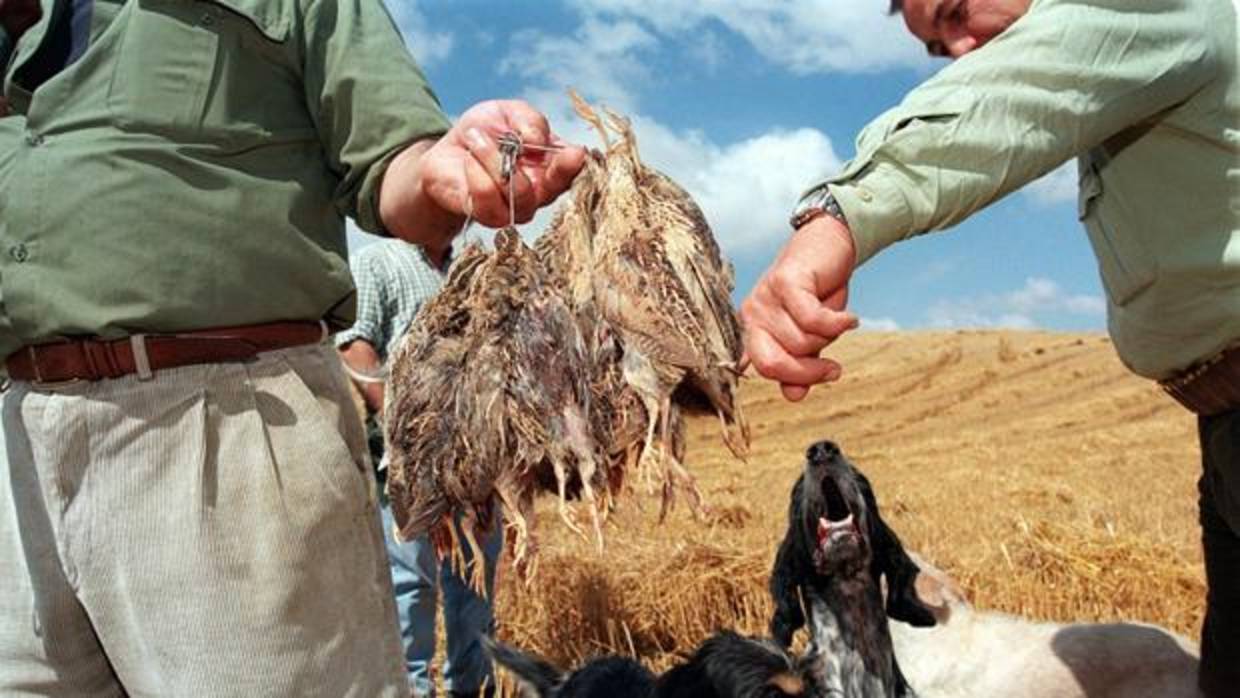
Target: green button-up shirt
{"x":193,"y":167}
{"x":1146,"y":95}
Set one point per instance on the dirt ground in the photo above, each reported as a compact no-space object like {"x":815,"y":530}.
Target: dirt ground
{"x":1031,"y":466}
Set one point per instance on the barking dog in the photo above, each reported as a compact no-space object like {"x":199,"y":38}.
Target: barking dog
{"x":831,"y":564}
{"x":726,"y":666}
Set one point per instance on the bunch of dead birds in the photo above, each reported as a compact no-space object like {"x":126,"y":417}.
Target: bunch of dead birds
{"x":567,"y":366}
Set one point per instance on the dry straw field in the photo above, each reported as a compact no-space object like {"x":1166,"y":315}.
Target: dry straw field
{"x":1049,"y":481}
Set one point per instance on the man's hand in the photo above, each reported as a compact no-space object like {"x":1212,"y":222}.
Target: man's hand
{"x":360,"y":355}
{"x":430,"y":188}
{"x":797,"y":307}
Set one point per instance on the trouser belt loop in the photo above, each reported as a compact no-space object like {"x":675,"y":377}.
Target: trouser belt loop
{"x":141,"y":361}
{"x":34,"y":363}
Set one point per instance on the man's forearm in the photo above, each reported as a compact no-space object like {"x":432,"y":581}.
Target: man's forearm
{"x":361,"y":356}
{"x":405,"y":207}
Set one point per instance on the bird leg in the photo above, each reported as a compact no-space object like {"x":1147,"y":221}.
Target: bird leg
{"x":442,"y":540}
{"x":584,"y":111}
{"x":561,"y":482}
{"x":644,"y":464}
{"x":739,"y":448}
{"x":477,"y":566}
{"x":668,"y":463}
{"x":516,"y":521}
{"x":593,"y":502}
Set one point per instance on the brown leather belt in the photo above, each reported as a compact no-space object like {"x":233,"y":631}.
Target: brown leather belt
{"x":94,"y":359}
{"x":1211,"y":387}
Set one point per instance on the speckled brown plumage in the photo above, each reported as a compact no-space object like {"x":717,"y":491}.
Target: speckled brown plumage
{"x":489,"y":389}
{"x":661,"y":287}
{"x":565,"y":367}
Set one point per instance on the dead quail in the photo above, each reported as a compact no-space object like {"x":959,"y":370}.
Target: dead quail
{"x":490,"y":387}
{"x":659,"y":282}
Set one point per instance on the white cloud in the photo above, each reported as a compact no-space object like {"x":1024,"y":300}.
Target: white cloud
{"x":1014,"y":309}
{"x":1057,"y":187}
{"x":746,"y":188}
{"x":878,"y":324}
{"x":805,"y":36}
{"x":600,"y":57}
{"x":427,"y":46}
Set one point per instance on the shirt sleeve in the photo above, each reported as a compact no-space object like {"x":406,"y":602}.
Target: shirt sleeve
{"x":368,"y":98}
{"x":371,"y":297}
{"x":1064,"y":78}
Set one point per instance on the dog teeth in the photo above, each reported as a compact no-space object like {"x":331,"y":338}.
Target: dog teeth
{"x":826,"y":527}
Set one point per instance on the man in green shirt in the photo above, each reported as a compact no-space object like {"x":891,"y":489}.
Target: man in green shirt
{"x":1146,"y":96}
{"x":186,"y":506}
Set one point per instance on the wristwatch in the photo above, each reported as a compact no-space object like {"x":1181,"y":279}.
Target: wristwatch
{"x":814,"y":204}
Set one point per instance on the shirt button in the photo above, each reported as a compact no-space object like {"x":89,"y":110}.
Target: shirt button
{"x":34,"y":139}
{"x":19,"y":253}
{"x":207,"y":20}
{"x":865,"y":195}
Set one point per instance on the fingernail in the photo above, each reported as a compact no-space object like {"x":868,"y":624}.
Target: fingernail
{"x":833,"y":374}
{"x":476,"y":138}
{"x":529,"y":134}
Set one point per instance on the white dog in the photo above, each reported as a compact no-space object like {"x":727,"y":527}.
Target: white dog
{"x":976,"y":654}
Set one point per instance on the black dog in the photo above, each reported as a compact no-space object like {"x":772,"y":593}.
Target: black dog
{"x":725,"y":666}
{"x":836,"y":551}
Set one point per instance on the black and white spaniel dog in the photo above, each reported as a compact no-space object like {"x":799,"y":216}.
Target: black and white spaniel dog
{"x":830,"y":567}
{"x":725,"y":666}
{"x":829,"y":573}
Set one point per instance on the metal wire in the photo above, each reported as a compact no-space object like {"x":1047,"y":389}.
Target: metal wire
{"x":511,"y":148}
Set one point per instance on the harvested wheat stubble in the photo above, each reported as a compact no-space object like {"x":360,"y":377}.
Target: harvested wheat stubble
{"x":565,"y":368}
{"x":1069,"y":503}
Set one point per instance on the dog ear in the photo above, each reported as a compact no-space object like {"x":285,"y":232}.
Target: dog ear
{"x":791,"y":569}
{"x":892,"y":561}
{"x":741,"y":666}
{"x":536,"y":677}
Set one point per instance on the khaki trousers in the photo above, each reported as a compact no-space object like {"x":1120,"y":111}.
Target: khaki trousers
{"x":212,"y":531}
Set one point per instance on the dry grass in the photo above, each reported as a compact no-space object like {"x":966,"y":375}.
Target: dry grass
{"x":1031,"y":466}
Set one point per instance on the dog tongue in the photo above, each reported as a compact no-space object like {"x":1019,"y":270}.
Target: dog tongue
{"x":826,"y":527}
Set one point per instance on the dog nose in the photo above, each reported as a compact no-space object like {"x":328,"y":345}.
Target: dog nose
{"x":822,"y":452}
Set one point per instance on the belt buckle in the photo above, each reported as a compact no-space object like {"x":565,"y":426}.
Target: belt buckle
{"x":38,"y":381}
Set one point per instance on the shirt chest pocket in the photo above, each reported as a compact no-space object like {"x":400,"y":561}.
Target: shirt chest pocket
{"x":1124,"y":263}
{"x":190,"y":68}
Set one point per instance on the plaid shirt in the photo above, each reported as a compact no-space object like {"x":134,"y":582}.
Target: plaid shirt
{"x":394,"y":278}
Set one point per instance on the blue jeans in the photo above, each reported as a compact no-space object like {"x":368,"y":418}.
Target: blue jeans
{"x":417,"y":576}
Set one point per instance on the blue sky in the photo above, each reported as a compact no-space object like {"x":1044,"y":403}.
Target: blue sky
{"x":747,"y":102}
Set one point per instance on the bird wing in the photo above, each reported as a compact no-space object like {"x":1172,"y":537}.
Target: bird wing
{"x":641,"y":293}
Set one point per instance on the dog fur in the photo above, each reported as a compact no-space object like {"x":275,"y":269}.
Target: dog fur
{"x":845,"y":608}
{"x":976,"y":654}
{"x":725,"y":666}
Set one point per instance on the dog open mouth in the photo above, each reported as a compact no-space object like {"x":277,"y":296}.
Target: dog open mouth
{"x":837,"y":527}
